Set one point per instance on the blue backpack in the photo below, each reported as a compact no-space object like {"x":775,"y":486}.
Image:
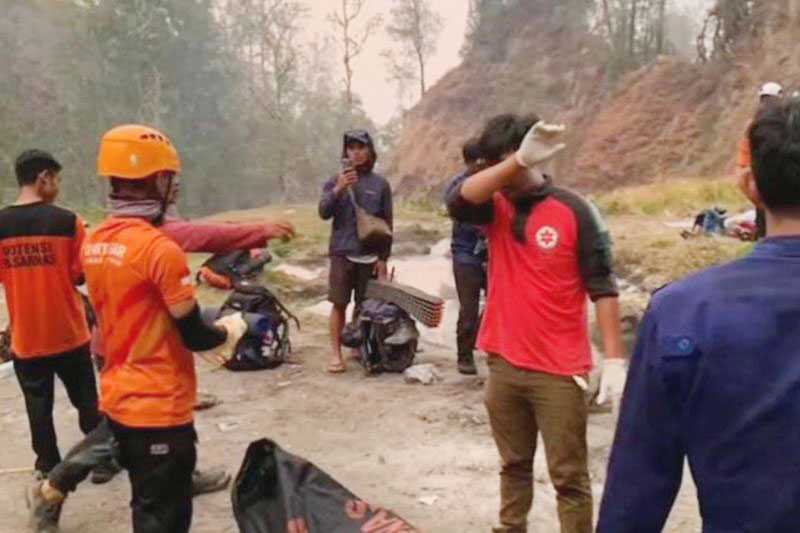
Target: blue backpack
{"x":266,"y":343}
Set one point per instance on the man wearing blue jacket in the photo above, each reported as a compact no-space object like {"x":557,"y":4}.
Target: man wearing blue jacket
{"x":715,"y":377}
{"x":468,"y":247}
{"x":352,"y":265}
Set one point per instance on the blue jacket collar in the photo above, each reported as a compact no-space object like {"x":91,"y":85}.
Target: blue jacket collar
{"x":778,"y":247}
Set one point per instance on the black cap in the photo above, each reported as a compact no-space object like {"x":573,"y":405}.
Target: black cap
{"x":361,"y":136}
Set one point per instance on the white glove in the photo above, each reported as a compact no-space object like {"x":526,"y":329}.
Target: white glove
{"x":236,"y":327}
{"x":612,"y":380}
{"x":581,"y":382}
{"x":540,"y":144}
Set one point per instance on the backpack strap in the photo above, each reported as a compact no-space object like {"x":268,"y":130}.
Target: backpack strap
{"x":247,"y":288}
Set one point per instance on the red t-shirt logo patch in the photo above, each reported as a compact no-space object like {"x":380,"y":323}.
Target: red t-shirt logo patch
{"x":547,"y":238}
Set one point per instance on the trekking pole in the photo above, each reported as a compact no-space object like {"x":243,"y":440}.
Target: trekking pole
{"x":21,"y":470}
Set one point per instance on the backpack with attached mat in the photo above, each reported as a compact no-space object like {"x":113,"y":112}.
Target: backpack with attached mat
{"x":389,"y":337}
{"x":223,"y":271}
{"x":266,"y":343}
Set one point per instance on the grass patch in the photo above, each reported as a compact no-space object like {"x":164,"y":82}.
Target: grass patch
{"x":428,"y":208}
{"x":419,"y":220}
{"x":312,"y":233}
{"x":676,"y":197}
{"x":650,"y":253}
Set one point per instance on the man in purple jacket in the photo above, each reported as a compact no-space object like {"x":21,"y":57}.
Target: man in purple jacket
{"x":352,"y":264}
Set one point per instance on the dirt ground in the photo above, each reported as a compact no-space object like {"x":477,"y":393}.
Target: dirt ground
{"x":389,"y":442}
{"x":425,"y":452}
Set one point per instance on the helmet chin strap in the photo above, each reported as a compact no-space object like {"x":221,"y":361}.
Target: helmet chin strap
{"x":164,"y":198}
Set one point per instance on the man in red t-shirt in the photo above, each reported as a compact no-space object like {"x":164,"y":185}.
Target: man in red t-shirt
{"x":548,"y":252}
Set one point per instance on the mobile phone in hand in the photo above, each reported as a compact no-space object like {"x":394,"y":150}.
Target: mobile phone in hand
{"x":347,"y":164}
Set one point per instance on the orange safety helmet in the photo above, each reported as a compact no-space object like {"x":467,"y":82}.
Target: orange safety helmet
{"x":136,"y":152}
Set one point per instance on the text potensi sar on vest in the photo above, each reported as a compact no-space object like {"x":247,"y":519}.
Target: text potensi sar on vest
{"x":101,"y":252}
{"x":29,"y":255}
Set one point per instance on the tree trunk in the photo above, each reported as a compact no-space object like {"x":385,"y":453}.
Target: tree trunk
{"x":632,"y":34}
{"x":662,"y":22}
{"x":348,"y":81}
{"x":607,"y":17}
{"x":421,"y":73}
{"x":348,"y":71}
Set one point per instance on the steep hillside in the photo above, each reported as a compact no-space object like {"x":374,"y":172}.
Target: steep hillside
{"x":547,"y":70}
{"x":672,"y":117}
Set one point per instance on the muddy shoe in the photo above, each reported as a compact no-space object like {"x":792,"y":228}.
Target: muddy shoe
{"x":466,"y":365}
{"x":105,"y":472}
{"x":43,"y":516}
{"x":205,"y":481}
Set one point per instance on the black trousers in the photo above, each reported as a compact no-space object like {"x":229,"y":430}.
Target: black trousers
{"x":159,"y":461}
{"x":469,"y":281}
{"x":37,"y":380}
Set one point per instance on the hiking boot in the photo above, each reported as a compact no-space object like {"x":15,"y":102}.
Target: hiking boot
{"x":406,"y":332}
{"x":105,"y":472}
{"x":207,"y":481}
{"x":43,"y":516}
{"x":466,"y":365}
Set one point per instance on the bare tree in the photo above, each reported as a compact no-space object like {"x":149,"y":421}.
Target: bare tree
{"x":280,"y":51}
{"x":352,"y":37}
{"x":416,"y":28}
{"x":607,"y":19}
{"x":637,"y":31}
{"x":151,"y":109}
{"x":730,"y":21}
{"x":402,"y":74}
{"x":632,"y":29}
{"x":661,"y":26}
{"x":266,"y":33}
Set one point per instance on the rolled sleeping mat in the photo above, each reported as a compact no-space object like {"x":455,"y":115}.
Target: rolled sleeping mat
{"x":425,"y":307}
{"x":256,"y":324}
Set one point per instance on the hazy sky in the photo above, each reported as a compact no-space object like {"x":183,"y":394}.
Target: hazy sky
{"x":378,"y":95}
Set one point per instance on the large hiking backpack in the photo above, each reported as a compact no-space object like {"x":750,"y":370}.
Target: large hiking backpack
{"x":266,"y":343}
{"x":223,"y":271}
{"x":388,"y":337}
